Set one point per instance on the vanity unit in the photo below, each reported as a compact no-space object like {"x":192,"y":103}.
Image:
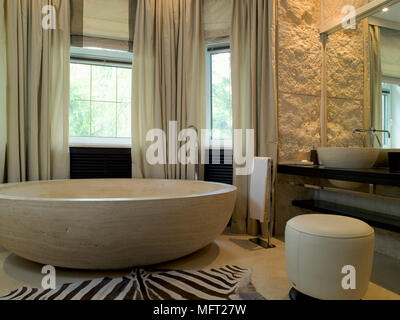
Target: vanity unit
{"x":372,"y":177}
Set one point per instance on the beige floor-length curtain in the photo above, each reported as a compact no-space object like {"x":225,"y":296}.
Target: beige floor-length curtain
{"x":3,"y":86}
{"x":253,"y":49}
{"x":38,"y":89}
{"x":376,"y":76}
{"x":168,"y":79}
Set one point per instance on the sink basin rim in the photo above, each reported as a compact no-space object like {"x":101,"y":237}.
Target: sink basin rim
{"x":348,"y":158}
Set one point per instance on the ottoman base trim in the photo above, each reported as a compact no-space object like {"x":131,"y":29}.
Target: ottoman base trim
{"x":296,"y":295}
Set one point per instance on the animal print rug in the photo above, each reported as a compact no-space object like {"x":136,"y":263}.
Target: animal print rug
{"x":227,"y":283}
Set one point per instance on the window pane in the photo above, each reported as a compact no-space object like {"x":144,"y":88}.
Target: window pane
{"x":124,"y":84}
{"x":80,"y":82}
{"x":124,"y":120}
{"x":100,"y":101}
{"x":79,"y":119}
{"x":221,"y":96}
{"x":104,"y":83}
{"x":104,"y":122}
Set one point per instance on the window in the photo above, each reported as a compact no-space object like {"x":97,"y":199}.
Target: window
{"x":100,"y":97}
{"x":386,"y":115}
{"x":219,"y":92}
{"x":390,"y":114}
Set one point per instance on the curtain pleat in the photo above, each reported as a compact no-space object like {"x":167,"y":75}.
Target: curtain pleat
{"x":168,"y":82}
{"x":37,"y":91}
{"x":253,"y":49}
{"x":390,"y":52}
{"x":76,"y":17}
{"x":3,"y":97}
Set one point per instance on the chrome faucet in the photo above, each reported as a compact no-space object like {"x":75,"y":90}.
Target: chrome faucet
{"x":197,"y":165}
{"x":372,"y":132}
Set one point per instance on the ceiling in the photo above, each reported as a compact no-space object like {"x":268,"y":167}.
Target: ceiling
{"x":392,"y":15}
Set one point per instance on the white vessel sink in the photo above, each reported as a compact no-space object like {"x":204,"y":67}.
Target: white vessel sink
{"x":348,"y":158}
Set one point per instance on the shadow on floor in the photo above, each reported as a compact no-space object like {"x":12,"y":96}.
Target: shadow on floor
{"x":30,"y":274}
{"x":386,"y":272}
{"x":246,"y":244}
{"x":195,"y":261}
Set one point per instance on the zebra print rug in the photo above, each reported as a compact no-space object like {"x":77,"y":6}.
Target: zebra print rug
{"x":227,"y":283}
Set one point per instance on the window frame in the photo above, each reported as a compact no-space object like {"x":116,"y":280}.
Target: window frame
{"x":106,"y":58}
{"x":210,"y":51}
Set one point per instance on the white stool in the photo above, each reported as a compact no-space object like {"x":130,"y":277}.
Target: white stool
{"x":321,"y":251}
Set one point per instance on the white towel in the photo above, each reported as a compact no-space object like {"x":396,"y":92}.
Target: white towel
{"x":260,"y":189}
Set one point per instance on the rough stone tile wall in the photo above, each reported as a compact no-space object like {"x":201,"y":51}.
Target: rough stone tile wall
{"x":343,"y":116}
{"x":345,"y":86}
{"x":299,"y":77}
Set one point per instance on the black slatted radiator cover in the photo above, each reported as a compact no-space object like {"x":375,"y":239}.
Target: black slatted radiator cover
{"x":223,"y":172}
{"x":108,"y":163}
{"x":100,"y":163}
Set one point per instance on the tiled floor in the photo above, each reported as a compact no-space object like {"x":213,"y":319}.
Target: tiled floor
{"x":269,"y":270}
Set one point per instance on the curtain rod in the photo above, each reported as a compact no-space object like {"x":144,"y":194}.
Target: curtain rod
{"x":115,"y":63}
{"x":211,"y":49}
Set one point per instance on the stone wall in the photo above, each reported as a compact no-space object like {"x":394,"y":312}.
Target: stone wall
{"x":346,"y":53}
{"x":299,"y":77}
{"x":346,"y":76}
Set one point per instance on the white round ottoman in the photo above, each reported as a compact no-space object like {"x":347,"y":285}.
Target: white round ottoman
{"x":329,"y":257}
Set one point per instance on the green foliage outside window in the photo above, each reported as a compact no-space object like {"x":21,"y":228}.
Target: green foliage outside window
{"x":100,"y":101}
{"x":221,"y":96}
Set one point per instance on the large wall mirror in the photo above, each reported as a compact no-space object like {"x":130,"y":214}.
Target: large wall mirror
{"x":384,"y":28}
{"x":362,"y":80}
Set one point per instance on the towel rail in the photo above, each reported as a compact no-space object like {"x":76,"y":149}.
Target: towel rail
{"x":259,"y":241}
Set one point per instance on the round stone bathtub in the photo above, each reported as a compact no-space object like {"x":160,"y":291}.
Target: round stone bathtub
{"x":112,"y":224}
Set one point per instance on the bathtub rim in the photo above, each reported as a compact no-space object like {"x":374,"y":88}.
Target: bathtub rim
{"x":227,"y":189}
